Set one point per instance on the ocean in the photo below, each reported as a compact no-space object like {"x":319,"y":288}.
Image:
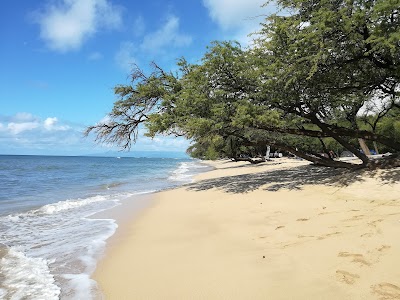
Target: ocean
{"x":49,"y":243}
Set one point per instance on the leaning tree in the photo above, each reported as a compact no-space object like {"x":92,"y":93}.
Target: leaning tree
{"x":318,"y":74}
{"x":338,"y":63}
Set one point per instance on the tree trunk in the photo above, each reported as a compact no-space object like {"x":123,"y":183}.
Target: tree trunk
{"x":366,"y":135}
{"x":312,"y":158}
{"x":364,"y":147}
{"x":327,"y":162}
{"x":326,"y":128}
{"x":252,"y":161}
{"x":339,"y":131}
{"x":376,"y":148}
{"x":267,"y":153}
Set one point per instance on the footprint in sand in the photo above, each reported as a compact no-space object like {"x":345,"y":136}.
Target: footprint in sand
{"x":383,"y":248}
{"x":376,"y":229}
{"x":305,"y":236}
{"x":355,"y":218}
{"x":393,"y":214}
{"x":346,"y":277}
{"x":373,"y":223}
{"x":357,"y":258}
{"x":386,"y":291}
{"x":367,"y":234}
{"x":322,"y":237}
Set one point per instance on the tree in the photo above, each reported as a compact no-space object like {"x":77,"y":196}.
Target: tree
{"x":309,"y":83}
{"x":327,"y":64}
{"x":333,"y":64}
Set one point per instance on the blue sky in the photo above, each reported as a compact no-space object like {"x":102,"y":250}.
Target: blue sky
{"x":60,"y":60}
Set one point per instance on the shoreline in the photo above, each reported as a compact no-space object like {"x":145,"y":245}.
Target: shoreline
{"x":261,"y":231}
{"x":57,"y":229}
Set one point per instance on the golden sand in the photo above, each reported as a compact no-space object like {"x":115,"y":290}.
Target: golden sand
{"x":279,"y":230}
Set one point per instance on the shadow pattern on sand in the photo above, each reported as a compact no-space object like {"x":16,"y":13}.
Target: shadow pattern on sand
{"x":389,"y":176}
{"x":230,"y":166}
{"x":291,"y":179}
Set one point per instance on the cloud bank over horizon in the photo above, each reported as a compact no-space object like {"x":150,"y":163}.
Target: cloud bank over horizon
{"x":25,"y":133}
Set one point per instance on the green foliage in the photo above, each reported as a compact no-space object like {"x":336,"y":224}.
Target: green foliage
{"x":310,"y":85}
{"x":329,"y":52}
{"x":390,"y":125}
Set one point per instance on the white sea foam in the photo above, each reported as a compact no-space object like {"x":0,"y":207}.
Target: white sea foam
{"x":181,"y":173}
{"x":82,"y":286}
{"x":61,"y":206}
{"x":69,"y":204}
{"x":13,"y":218}
{"x":141,"y":193}
{"x":54,"y":249}
{"x":186,"y":171}
{"x":52,"y":241}
{"x":25,"y":275}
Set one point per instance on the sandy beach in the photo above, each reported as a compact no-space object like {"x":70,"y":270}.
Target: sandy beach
{"x":279,"y":230}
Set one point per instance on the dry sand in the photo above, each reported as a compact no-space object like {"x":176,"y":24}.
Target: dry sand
{"x":280,"y":230}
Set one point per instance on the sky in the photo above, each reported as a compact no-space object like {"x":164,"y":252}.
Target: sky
{"x":60,"y":59}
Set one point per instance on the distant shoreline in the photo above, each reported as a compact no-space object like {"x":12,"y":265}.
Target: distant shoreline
{"x":123,"y":154}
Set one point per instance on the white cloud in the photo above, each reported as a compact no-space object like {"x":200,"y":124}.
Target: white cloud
{"x":239,"y":18}
{"x":105,"y":120}
{"x":156,"y":42}
{"x":51,"y":124}
{"x":23,"y":117}
{"x":16,"y":128}
{"x":22,"y":122}
{"x":161,"y":143}
{"x":167,"y":35}
{"x":65,"y":25}
{"x":234,"y":14}
{"x":125,"y":56}
{"x":25,"y":133}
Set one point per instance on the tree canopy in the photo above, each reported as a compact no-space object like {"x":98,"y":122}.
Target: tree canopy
{"x":321,"y":77}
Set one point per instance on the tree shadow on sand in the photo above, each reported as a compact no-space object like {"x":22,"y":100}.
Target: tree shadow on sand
{"x":233,"y":166}
{"x":291,"y":179}
{"x":388,"y":176}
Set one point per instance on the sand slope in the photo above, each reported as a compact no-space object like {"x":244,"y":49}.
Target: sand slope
{"x":281,"y":230}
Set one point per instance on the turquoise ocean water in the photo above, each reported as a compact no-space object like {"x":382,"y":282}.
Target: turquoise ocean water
{"x":49,"y":244}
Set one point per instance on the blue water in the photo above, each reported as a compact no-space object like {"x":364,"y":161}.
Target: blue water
{"x":49,"y":244}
